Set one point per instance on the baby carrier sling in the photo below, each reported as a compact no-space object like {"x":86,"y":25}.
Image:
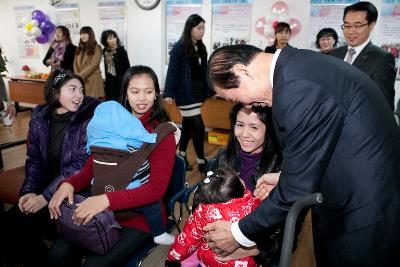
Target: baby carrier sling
{"x":113,"y":169}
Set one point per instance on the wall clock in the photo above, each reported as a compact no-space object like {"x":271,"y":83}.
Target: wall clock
{"x":147,"y":4}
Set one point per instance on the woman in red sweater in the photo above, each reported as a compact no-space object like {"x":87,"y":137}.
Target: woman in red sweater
{"x":141,"y":96}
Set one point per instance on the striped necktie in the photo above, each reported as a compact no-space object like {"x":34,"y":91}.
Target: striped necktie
{"x":351,"y":52}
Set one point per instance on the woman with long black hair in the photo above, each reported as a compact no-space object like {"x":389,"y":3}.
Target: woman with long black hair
{"x":186,"y":82}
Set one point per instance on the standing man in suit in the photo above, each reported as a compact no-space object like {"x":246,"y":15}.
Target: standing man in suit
{"x":334,"y":140}
{"x":359,"y":20}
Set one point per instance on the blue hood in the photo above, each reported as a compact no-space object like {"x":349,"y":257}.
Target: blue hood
{"x":112,"y":126}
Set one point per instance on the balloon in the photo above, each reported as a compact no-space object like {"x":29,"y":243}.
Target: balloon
{"x":269,"y":31}
{"x":36,"y":31}
{"x":280,"y":8}
{"x":28,"y":26}
{"x":260,"y":26}
{"x":38,"y":15}
{"x":295,"y":26}
{"x":274,"y":23}
{"x":27,"y":32}
{"x":47,"y":27}
{"x":34,"y":23}
{"x":42,"y":38}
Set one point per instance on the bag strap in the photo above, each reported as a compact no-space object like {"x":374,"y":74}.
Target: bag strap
{"x":138,"y":157}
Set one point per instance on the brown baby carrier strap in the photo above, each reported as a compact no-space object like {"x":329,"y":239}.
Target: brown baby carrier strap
{"x":113,"y":169}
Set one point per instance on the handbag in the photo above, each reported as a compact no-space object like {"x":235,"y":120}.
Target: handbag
{"x":99,"y":235}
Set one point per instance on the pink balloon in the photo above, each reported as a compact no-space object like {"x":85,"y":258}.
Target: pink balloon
{"x":295,"y":26}
{"x":260,"y":26}
{"x":280,"y":8}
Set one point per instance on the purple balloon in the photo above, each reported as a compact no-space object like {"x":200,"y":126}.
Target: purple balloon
{"x":42,"y":38}
{"x":38,"y":15}
{"x":46,"y":26}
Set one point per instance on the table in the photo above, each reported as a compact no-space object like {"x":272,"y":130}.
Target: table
{"x":26,"y":90}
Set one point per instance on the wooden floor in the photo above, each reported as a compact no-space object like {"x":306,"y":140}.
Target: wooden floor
{"x":15,"y":157}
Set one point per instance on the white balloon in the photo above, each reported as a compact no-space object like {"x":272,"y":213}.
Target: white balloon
{"x":34,"y":23}
{"x":269,"y":31}
{"x":32,"y":39}
{"x":27,"y":32}
{"x":36,"y":31}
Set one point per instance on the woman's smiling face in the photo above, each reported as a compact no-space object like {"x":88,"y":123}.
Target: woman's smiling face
{"x":249,"y":131}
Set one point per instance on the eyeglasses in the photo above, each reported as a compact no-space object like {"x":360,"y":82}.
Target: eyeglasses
{"x":347,"y":27}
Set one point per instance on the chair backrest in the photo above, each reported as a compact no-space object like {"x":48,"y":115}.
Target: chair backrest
{"x":177,"y":181}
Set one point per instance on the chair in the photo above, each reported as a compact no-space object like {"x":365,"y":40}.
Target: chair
{"x":177,"y":192}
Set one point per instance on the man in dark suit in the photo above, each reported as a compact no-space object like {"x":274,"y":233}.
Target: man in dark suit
{"x":334,"y":140}
{"x":358,"y":22}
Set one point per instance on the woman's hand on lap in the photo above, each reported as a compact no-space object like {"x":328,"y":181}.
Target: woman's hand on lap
{"x":22,"y":200}
{"x":34,"y":204}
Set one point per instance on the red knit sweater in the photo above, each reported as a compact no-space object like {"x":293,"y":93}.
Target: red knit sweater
{"x":161,"y":163}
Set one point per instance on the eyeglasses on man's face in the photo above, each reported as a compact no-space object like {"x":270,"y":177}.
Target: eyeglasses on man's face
{"x":356,"y":26}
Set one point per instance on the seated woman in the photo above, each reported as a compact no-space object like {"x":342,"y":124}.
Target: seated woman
{"x":252,"y":150}
{"x":141,"y":97}
{"x":55,"y":150}
{"x":282,"y":36}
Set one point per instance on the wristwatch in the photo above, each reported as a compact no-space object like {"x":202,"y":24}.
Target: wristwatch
{"x":147,"y":4}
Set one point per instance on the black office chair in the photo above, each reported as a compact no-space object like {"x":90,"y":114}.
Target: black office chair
{"x":178,"y":192}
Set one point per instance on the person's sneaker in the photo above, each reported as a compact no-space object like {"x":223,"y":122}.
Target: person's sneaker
{"x":164,"y":239}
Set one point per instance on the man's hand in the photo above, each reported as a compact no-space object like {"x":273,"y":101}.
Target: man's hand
{"x":220,"y":239}
{"x":240,"y":253}
{"x":265,"y":184}
{"x":66,"y":190}
{"x":89,"y":208}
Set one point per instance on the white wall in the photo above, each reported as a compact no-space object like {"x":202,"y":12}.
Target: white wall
{"x":146,"y":30}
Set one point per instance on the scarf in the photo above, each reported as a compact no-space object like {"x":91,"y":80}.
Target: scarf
{"x":108,"y":56}
{"x":59,"y":50}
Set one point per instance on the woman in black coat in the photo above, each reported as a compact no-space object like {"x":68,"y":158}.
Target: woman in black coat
{"x":116,"y":62}
{"x":186,"y":83}
{"x":61,"y":52}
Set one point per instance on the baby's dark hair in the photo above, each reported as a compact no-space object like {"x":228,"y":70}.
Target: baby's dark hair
{"x":222,"y":185}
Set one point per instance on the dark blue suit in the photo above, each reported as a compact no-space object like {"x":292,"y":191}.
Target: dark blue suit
{"x":377,"y":64}
{"x":335,"y":141}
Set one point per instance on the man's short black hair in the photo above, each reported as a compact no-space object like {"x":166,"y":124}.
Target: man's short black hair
{"x":372,"y":12}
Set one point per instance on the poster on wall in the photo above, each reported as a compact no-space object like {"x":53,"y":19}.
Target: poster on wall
{"x":389,"y":30}
{"x":27,"y":47}
{"x":176,"y":18}
{"x":68,"y":15}
{"x":231,"y":24}
{"x":112,"y":16}
{"x":326,"y":14}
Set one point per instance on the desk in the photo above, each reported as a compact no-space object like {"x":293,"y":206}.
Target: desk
{"x":26,"y":90}
{"x":215,"y":113}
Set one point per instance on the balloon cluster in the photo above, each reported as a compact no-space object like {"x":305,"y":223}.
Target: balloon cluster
{"x":38,"y":27}
{"x":279,"y":12}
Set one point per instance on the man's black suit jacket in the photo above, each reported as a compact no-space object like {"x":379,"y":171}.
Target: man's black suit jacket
{"x":335,"y":141}
{"x":377,"y":64}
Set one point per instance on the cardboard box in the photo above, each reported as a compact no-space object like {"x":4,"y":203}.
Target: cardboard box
{"x":218,"y":137}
